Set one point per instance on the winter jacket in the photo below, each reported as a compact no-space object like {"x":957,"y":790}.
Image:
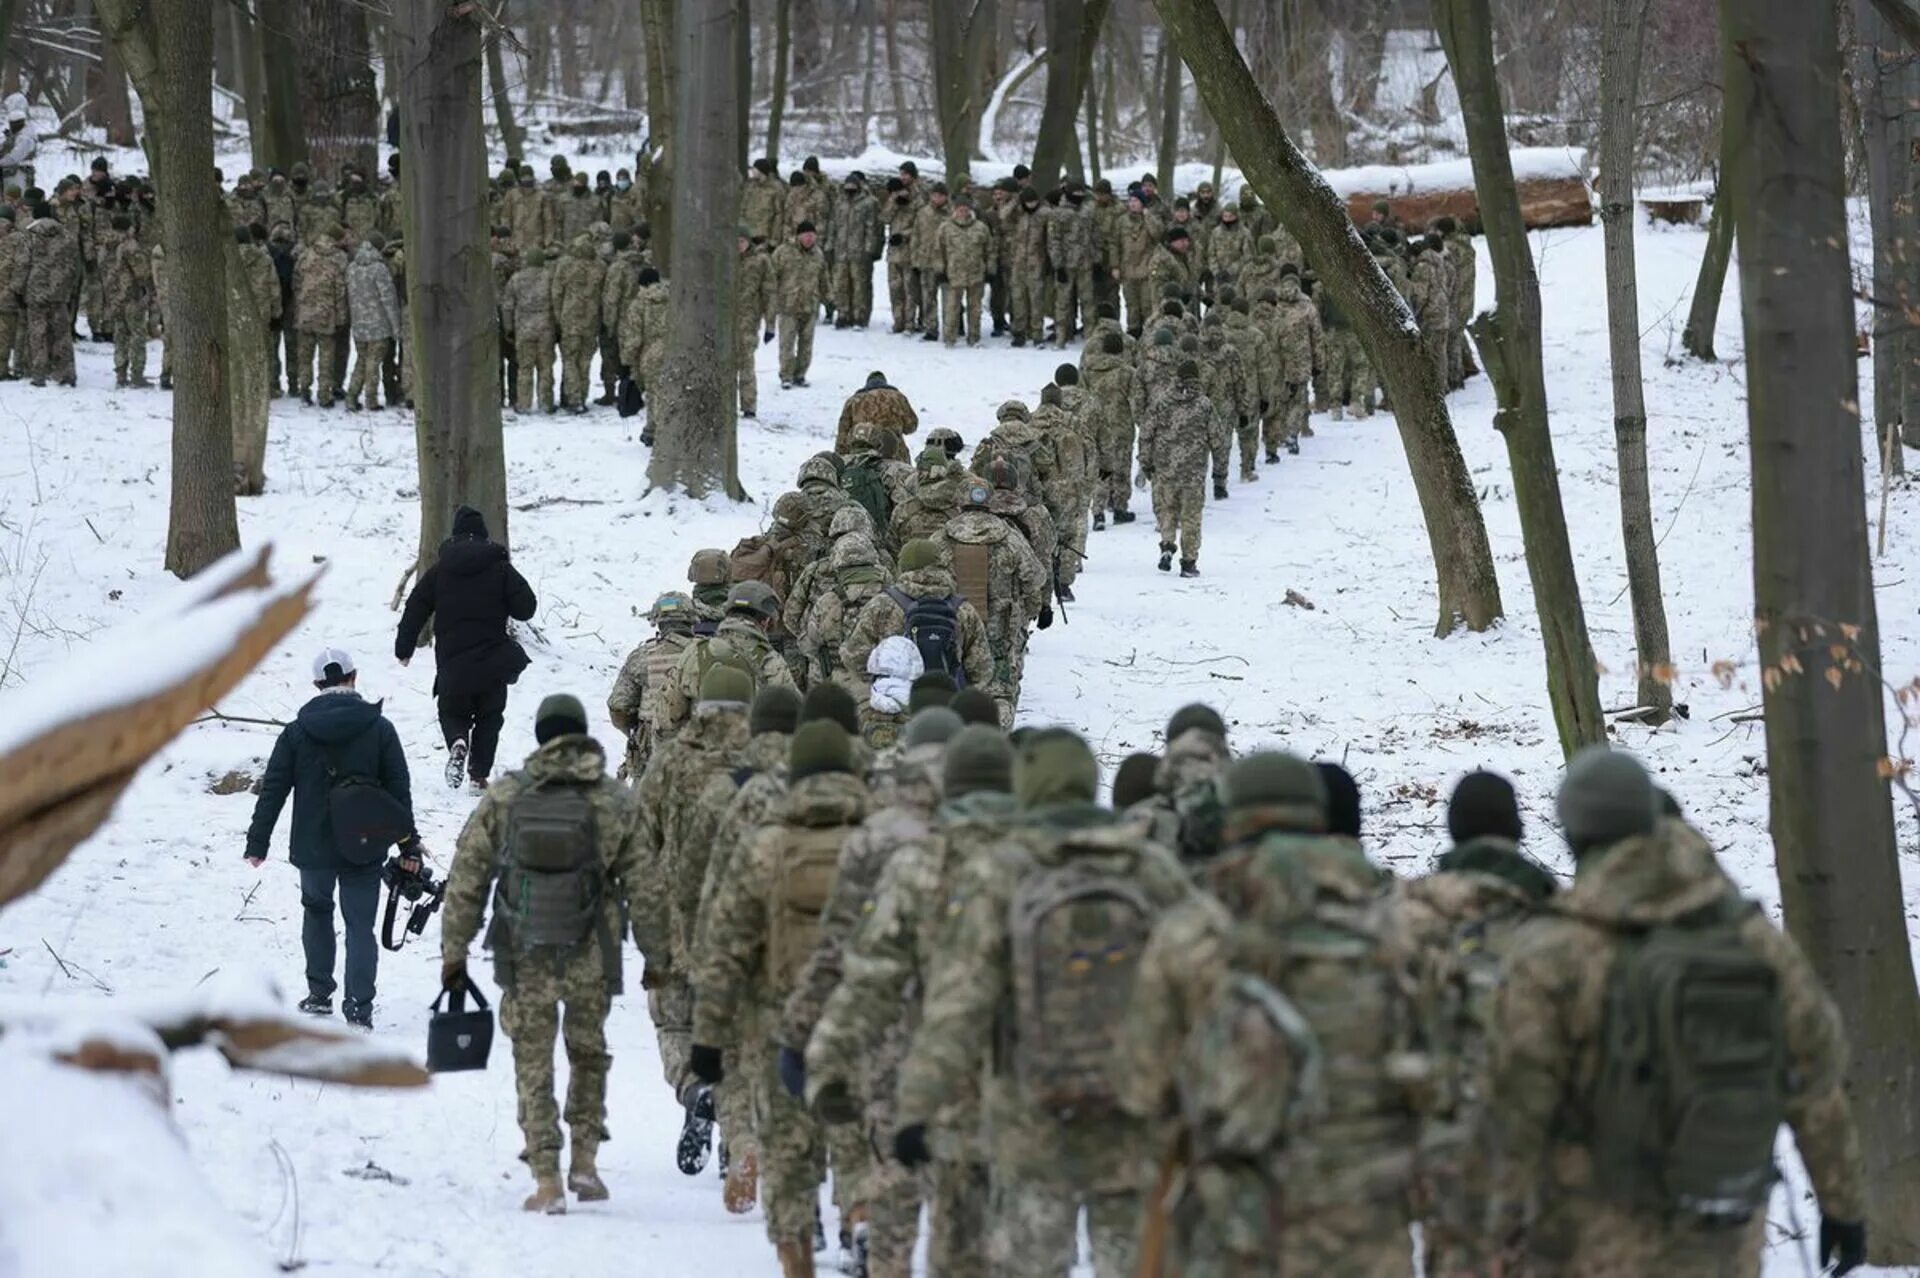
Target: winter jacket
{"x":372,"y":301}
{"x":470,"y":591}
{"x":338,"y":725}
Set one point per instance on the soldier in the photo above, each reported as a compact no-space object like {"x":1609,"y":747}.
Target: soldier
{"x":1173,"y":458}
{"x":1652,"y":994}
{"x":277,"y":199}
{"x":320,"y":310}
{"x":1460,"y":264}
{"x":129,"y":302}
{"x":1431,"y":297}
{"x":754,"y":306}
{"x":1260,"y":365}
{"x":800,"y":281}
{"x":643,"y":334}
{"x":579,"y":278}
{"x":162,"y":322}
{"x":858,"y":237}
{"x":1255,"y":1041}
{"x":922,"y":604}
{"x":634,"y":703}
{"x":624,"y":264}
{"x":526,"y":316}
{"x":1026,"y":265}
{"x":525,"y":212}
{"x":1349,"y":375}
{"x":903,"y":287}
{"x":1071,"y":250}
{"x":762,"y":923}
{"x":878,"y":403}
{"x":966,"y":253}
{"x":1232,"y":388}
{"x":853,"y":575}
{"x":1229,"y":245}
{"x":46,"y":271}
{"x":1075,"y":881}
{"x":1139,"y":234}
{"x":373,"y":304}
{"x":245,"y":205}
{"x":1182,"y":814}
{"x":1296,"y":334}
{"x":1108,"y":374}
{"x":13,"y":243}
{"x":263,"y":282}
{"x":739,"y":640}
{"x":763,"y":203}
{"x":626,"y":207}
{"x":1172,"y":263}
{"x":997,"y":572}
{"x":576,"y":210}
{"x":316,"y":215}
{"x":818,"y":484}
{"x":933,"y":499}
{"x":392,"y":221}
{"x":554,"y":835}
{"x":1067,"y":486}
{"x":927,"y":221}
{"x":359,"y":207}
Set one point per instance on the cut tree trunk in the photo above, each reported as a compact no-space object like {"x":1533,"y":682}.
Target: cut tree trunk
{"x":658,"y":18}
{"x":782,"y":63}
{"x":338,"y":92}
{"x":693,"y":412}
{"x":512,"y":136}
{"x":167,"y":48}
{"x":451,"y":309}
{"x":1703,"y":315}
{"x":1510,"y":342}
{"x":1886,"y":77}
{"x":279,"y":22}
{"x":1469,"y":592}
{"x":1620,"y":50}
{"x":1819,"y":639}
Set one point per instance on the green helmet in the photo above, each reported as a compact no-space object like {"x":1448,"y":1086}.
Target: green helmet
{"x":671,"y":606}
{"x":754,"y":597}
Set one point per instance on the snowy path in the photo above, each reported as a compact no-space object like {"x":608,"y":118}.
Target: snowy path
{"x":162,"y":898}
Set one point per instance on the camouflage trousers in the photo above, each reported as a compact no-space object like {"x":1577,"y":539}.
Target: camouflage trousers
{"x":853,"y":289}
{"x":958,"y":1244}
{"x":1339,"y":1240}
{"x":100,"y":313}
{"x":903,"y":290}
{"x":670,"y":1007}
{"x":1434,"y":343}
{"x":930,"y":300}
{"x":609,"y":361}
{"x":1026,"y":308}
{"x":576,"y":367}
{"x":961,"y":301}
{"x":796,"y":344}
{"x":1179,"y":503}
{"x":1593,"y":1240}
{"x":368,"y":357}
{"x":50,"y":341}
{"x":1073,"y":537}
{"x":1133,"y":293}
{"x":792,"y":1153}
{"x":1349,"y":376}
{"x":129,"y":325}
{"x":746,"y":340}
{"x":565,"y":997}
{"x":315,"y":348}
{"x":1288,"y":420}
{"x":736,"y":1101}
{"x":1072,"y":297}
{"x":1459,"y":352}
{"x":1116,"y":457}
{"x":1034,"y":1231}
{"x":1248,"y":431}
{"x":1220,"y":444}
{"x":533,"y":370}
{"x":9,"y":338}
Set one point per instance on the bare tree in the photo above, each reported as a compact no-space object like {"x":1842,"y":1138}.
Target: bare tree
{"x":1887,"y":83}
{"x":167,"y":47}
{"x":1169,"y":150}
{"x":338,"y":95}
{"x":1509,"y":341}
{"x":1469,"y":592}
{"x":280,"y":59}
{"x":657,"y":16}
{"x":512,"y":136}
{"x":963,"y":41}
{"x":453,"y":324}
{"x":695,"y":433}
{"x":1703,"y":315}
{"x":782,"y":65}
{"x":1815,"y":616}
{"x":1621,"y":42}
{"x":1073,"y":32}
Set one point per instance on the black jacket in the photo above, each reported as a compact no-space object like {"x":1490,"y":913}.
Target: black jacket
{"x":470,"y":592}
{"x":363,"y":742}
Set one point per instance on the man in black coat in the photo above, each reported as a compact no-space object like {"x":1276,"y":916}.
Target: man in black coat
{"x":471,"y":591}
{"x":336,"y":734}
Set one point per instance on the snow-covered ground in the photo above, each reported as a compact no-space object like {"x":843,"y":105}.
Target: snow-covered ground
{"x":161,"y":898}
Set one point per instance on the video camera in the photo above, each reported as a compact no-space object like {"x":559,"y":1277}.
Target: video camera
{"x":407,"y":877}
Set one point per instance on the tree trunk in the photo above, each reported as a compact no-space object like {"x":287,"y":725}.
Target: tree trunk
{"x":1703,"y":315}
{"x":1620,"y":51}
{"x":1169,"y":149}
{"x":453,"y":316}
{"x":1509,"y":340}
{"x":279,"y":22}
{"x":743,"y":73}
{"x":782,"y":60}
{"x":1073,"y":30}
{"x":1469,"y":592}
{"x":512,"y":136}
{"x":337,"y":88}
{"x":658,"y":17}
{"x":1091,"y":109}
{"x":253,"y":81}
{"x":116,"y":104}
{"x":1886,"y":77}
{"x":806,"y":75}
{"x":963,"y":35}
{"x":247,"y":391}
{"x":896,"y":80}
{"x":694,"y":411}
{"x":1833,"y":830}
{"x":167,"y":47}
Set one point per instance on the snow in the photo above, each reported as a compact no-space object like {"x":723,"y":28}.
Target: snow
{"x":161,"y":897}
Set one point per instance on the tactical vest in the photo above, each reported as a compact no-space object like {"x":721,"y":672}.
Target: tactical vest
{"x":803,"y":881}
{"x":550,"y":888}
{"x":972,"y":570}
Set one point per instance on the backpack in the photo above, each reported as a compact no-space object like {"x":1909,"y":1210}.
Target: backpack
{"x":1077,"y":935}
{"x":972,"y":571}
{"x":706,"y":657}
{"x":809,"y":864}
{"x":1691,"y":1089}
{"x":552,"y":884}
{"x":1251,"y":1074}
{"x":751,"y":560}
{"x":365,"y":819}
{"x":862,"y":482}
{"x":934,"y":627}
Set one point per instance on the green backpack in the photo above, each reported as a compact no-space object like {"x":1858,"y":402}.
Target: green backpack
{"x":551,"y":891}
{"x":863,"y":483}
{"x":1251,"y":1072}
{"x":1691,"y":1089}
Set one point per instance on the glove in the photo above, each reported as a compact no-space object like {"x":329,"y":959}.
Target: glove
{"x":834,"y":1105}
{"x":453,"y":975}
{"x":1243,"y":421}
{"x":1060,"y":275}
{"x":704,"y":1061}
{"x":766,"y":336}
{"x":910,"y":1146}
{"x":1141,"y":480}
{"x":941,"y":279}
{"x":793,"y":1072}
{"x":895,"y":241}
{"x":1263,"y":408}
{"x":1046,"y":615}
{"x":1842,"y":1244}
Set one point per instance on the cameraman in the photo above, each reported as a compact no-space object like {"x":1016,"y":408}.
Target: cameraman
{"x":337,"y":734}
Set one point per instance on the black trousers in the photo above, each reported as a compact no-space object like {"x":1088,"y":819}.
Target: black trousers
{"x":475,"y":718}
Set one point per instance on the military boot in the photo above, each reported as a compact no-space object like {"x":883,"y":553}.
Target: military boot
{"x":1189,"y":567}
{"x":796,"y":1259}
{"x":1339,"y":413}
{"x":1273,"y":457}
{"x":583,"y":1175}
{"x":743,"y":1184}
{"x":1166,"y":557}
{"x":1219,"y":490}
{"x":1099,"y":521}
{"x":1293,"y":447}
{"x":547,"y":1197}
{"x":1124,"y":517}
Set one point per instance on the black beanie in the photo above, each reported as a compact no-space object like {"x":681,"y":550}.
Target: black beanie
{"x":1066,"y":375}
{"x":832,"y":702}
{"x":819,"y":746}
{"x":934,"y":688}
{"x":1483,"y":804}
{"x":1134,"y":781}
{"x":468,"y":522}
{"x":975,"y":706}
{"x":1196,"y":715}
{"x":775,"y":709}
{"x":1343,"y":800}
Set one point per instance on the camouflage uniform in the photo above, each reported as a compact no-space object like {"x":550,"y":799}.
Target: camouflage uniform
{"x":1295,"y":333}
{"x":878,"y":404}
{"x":623,"y":277}
{"x":529,"y":217}
{"x":263,"y":282}
{"x":1067,"y":489}
{"x":46,"y":271}
{"x":1070,"y":248}
{"x":1027,"y":271}
{"x":1194,"y":758}
{"x":14,"y":244}
{"x":934,"y":498}
{"x":1461,"y":265}
{"x":1109,"y":382}
{"x":927,"y":221}
{"x":574,"y":212}
{"x":359,"y":209}
{"x":763,"y":206}
{"x":1349,"y":375}
{"x":373,"y":305}
{"x":737,"y":640}
{"x":1168,"y":267}
{"x":753,"y":311}
{"x":800,"y":282}
{"x":129,"y":309}
{"x":858,"y":237}
{"x":881,"y":617}
{"x":634,"y":703}
{"x":966,"y":256}
{"x":526,"y":311}
{"x":1232,"y":387}
{"x":320,"y":312}
{"x":852,"y":577}
{"x":1045,"y":1168}
{"x":903,"y":288}
{"x":1228,"y":248}
{"x":1139,"y":237}
{"x":579,"y":278}
{"x":643,"y":333}
{"x":537,"y":985}
{"x":1260,"y":363}
{"x":1017,"y":586}
{"x":737,"y":968}
{"x":1431,"y":297}
{"x":1174,"y":438}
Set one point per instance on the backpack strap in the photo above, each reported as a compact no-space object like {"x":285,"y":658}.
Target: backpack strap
{"x":902,"y":598}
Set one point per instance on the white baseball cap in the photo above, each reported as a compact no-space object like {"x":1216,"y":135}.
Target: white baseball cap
{"x":331,"y":657}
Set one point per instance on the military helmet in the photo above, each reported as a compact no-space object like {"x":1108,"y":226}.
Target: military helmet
{"x":709,"y":568}
{"x":848,"y":520}
{"x":671,"y":606}
{"x":1013,"y":410}
{"x":946,"y":439}
{"x":853,"y":552}
{"x":864,"y":438}
{"x":824,"y":467}
{"x":790,"y":509}
{"x":755,"y":597}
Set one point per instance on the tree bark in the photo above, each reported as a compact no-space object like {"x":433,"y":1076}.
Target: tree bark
{"x":512,"y":136}
{"x":1819,"y":641}
{"x":167,"y":47}
{"x":247,"y":390}
{"x":743,"y":72}
{"x":1091,"y":109}
{"x":115,"y":103}
{"x":896,"y":80}
{"x":453,"y":316}
{"x":1073,"y":30}
{"x":962,"y":36}
{"x":253,"y":81}
{"x":782,"y":60}
{"x":1469,"y":592}
{"x":1620,"y":55}
{"x":1509,"y":340}
{"x":338,"y":92}
{"x":1169,"y":148}
{"x":1703,"y":315}
{"x":1887,"y":77}
{"x":805,"y":76}
{"x":280,"y":58}
{"x":697,"y":413}
{"x":658,"y":18}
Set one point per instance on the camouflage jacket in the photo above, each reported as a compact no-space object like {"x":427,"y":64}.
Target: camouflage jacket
{"x":644,"y":328}
{"x":810,"y":202}
{"x":129,"y":281}
{"x":47,"y":268}
{"x":574,"y":212}
{"x":1460,"y":266}
{"x":263,"y":282}
{"x":529,"y":216}
{"x":737,"y":640}
{"x":730,"y":967}
{"x":1297,"y":336}
{"x":800,"y":278}
{"x":1070,"y":244}
{"x":854,"y":578}
{"x":360,"y":212}
{"x":858,"y":235}
{"x":1168,"y":267}
{"x":882,"y":406}
{"x":753,"y":290}
{"x":634,"y":703}
{"x":579,"y":277}
{"x":568,"y":760}
{"x":966,"y":251}
{"x":1193,"y":759}
{"x":763,"y":207}
{"x":928,"y":218}
{"x":626,"y":209}
{"x":1431,"y":292}
{"x":1175,"y":434}
{"x":881,"y":617}
{"x":1070,"y":476}
{"x":678,"y":805}
{"x":320,"y":288}
{"x":1259,"y":361}
{"x":1228,"y":248}
{"x":372,"y":301}
{"x":1017,"y":582}
{"x":1231,"y":385}
{"x":898,"y":216}
{"x":526,"y":309}
{"x":1139,"y":238}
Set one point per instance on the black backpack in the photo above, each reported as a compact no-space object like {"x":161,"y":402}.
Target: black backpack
{"x":934,"y":627}
{"x":366,"y":820}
